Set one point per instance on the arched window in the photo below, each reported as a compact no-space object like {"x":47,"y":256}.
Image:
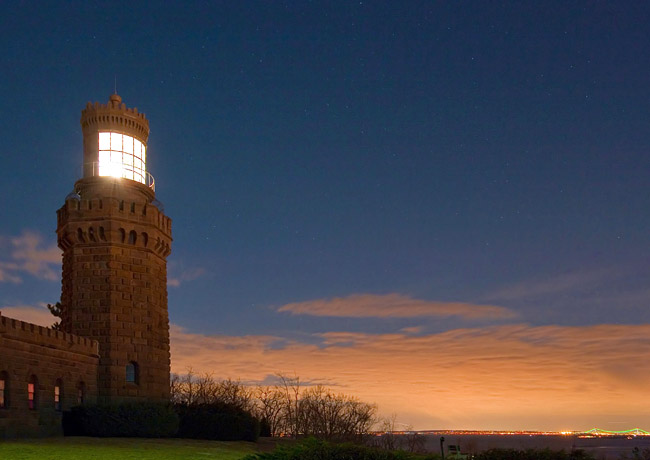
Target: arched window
{"x":32,"y":395}
{"x":132,"y":237}
{"x":132,"y":372}
{"x":4,"y":390}
{"x":81,"y":392}
{"x":58,"y":394}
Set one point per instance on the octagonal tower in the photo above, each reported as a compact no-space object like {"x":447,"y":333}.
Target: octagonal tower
{"x":115,"y":240}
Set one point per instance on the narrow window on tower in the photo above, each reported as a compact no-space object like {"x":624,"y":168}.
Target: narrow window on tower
{"x":81,"y":392}
{"x":58,"y":387}
{"x":32,"y":387}
{"x":132,"y":372}
{"x":4,"y":390}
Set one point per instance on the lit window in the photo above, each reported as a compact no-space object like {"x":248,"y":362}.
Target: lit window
{"x":57,"y":394}
{"x":31,"y":392}
{"x":121,"y":156}
{"x":132,"y":372}
{"x":3,"y":390}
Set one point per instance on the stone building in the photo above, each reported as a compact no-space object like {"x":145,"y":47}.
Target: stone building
{"x":115,"y":238}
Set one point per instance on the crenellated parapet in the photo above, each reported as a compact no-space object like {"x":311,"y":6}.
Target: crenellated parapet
{"x":115,"y":115}
{"x":22,"y":331}
{"x":110,"y":210}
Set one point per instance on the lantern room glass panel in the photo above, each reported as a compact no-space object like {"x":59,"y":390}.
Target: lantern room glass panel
{"x":122,"y":156}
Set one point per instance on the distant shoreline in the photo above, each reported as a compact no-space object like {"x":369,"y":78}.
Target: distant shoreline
{"x":589,"y":433}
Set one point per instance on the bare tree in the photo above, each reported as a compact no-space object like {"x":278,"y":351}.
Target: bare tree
{"x":286,"y":407}
{"x":205,"y":389}
{"x":289,"y":388}
{"x":414,"y":441}
{"x":270,"y":407}
{"x":234,"y":393}
{"x":388,"y":439}
{"x":332,"y":416}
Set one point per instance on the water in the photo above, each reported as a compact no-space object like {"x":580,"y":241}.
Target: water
{"x":604,"y":448}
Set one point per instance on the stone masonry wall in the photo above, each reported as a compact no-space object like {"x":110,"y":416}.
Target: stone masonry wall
{"x":28,"y":350}
{"x":114,"y":285}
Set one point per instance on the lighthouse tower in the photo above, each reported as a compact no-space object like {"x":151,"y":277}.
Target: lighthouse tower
{"x":115,"y":240}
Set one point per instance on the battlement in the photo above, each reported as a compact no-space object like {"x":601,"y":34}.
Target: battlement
{"x":115,"y":115}
{"x":31,"y":333}
{"x":98,"y":107}
{"x":114,"y":208}
{"x":113,"y":221}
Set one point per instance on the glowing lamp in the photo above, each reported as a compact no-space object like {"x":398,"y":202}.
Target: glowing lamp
{"x":121,"y":155}
{"x":115,"y":141}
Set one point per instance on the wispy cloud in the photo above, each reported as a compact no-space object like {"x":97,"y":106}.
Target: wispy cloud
{"x":499,"y":377}
{"x":393,"y":306}
{"x":567,"y":282}
{"x":186,"y":275}
{"x":26,"y":254}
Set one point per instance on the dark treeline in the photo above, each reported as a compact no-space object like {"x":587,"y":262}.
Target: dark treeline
{"x":288,"y":408}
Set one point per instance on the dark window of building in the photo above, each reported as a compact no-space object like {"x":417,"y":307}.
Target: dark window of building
{"x":122,"y":235}
{"x":132,"y":372}
{"x":132,"y":207}
{"x":80,"y":236}
{"x":58,"y":394}
{"x":102,"y":234}
{"x":132,"y":237}
{"x":145,"y":239}
{"x":91,"y":234}
{"x":81,"y":392}
{"x":4,"y":390}
{"x":32,"y":388}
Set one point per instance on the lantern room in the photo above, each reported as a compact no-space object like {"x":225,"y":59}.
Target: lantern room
{"x":115,"y":141}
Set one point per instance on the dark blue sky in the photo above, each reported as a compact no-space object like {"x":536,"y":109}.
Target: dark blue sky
{"x":486,"y":153}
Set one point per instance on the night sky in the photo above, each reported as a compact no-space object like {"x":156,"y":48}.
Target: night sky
{"x":440,"y":207}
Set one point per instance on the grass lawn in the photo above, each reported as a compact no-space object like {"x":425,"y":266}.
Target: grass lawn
{"x":73,"y":448}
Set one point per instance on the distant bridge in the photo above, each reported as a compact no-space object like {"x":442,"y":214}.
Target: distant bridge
{"x":632,"y":432}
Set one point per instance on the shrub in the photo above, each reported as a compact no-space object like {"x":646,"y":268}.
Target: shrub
{"x":142,"y":420}
{"x":217,"y":421}
{"x":313,"y":449}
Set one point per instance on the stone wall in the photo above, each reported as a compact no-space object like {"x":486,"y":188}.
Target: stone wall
{"x":28,"y":350}
{"x":114,"y":286}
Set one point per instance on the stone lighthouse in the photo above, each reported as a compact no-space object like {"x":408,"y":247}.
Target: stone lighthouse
{"x":115,"y":240}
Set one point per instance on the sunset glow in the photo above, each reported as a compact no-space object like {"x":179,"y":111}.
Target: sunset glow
{"x":438,"y":207}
